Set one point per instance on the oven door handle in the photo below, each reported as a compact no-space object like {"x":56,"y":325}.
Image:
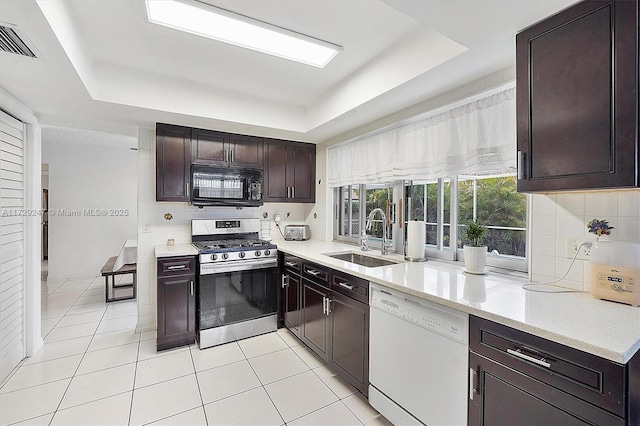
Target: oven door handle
{"x":216,"y":268}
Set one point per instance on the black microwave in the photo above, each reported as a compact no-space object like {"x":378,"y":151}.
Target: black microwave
{"x":223,"y":186}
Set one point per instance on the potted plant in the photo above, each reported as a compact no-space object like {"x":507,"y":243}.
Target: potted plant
{"x":475,"y":254}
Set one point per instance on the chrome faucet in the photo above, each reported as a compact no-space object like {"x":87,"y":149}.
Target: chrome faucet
{"x":385,"y":245}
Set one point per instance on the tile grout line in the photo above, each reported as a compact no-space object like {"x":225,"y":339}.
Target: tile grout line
{"x":195,"y":373}
{"x":133,"y":385}
{"x":78,"y":367}
{"x":262,"y":384}
{"x":323,"y":382}
{"x":63,"y":315}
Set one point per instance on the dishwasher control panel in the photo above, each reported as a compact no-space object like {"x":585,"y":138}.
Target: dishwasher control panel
{"x":440,"y":319}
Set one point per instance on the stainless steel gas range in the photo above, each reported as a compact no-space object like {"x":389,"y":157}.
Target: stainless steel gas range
{"x":237,"y":280}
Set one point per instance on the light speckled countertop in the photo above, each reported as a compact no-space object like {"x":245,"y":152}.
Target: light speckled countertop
{"x":607,"y":329}
{"x":164,"y":250}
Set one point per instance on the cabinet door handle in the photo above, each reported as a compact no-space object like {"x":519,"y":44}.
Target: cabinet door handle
{"x":345,"y":285}
{"x":293,"y":192}
{"x":313,"y":272}
{"x":230,"y":155}
{"x":174,"y":268}
{"x":191,"y":286}
{"x":472,"y":389}
{"x":187,"y":185}
{"x":284,"y":281}
{"x":521,"y":165}
{"x":292,"y":264}
{"x":518,"y":352}
{"x":326,"y":307}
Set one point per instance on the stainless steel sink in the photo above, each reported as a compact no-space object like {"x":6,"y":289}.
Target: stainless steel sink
{"x":360,"y":259}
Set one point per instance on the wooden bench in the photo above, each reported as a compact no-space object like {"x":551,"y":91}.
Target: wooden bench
{"x":107,"y":271}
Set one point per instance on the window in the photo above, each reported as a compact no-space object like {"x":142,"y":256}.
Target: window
{"x":494,"y":201}
{"x":351,"y":218}
{"x":496,"y":204}
{"x":430,"y":202}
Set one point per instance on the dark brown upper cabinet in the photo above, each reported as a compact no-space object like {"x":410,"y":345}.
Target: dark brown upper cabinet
{"x":246,"y":151}
{"x":577,"y":99}
{"x":209,"y":147}
{"x":289,"y":171}
{"x":173,"y":162}
{"x":226,"y":150}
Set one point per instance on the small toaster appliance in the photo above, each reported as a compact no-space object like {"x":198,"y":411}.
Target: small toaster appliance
{"x":296,"y":232}
{"x":615,"y":272}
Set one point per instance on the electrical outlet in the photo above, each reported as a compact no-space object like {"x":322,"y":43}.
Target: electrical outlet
{"x":146,"y":227}
{"x":573,"y":243}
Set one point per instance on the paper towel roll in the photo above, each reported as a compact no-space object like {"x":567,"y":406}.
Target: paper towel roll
{"x":416,"y":239}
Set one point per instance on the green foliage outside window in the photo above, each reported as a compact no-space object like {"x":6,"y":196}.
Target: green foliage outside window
{"x":498,"y":204}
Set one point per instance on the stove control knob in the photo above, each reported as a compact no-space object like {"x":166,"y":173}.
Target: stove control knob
{"x":258,"y":253}
{"x":267,"y":252}
{"x":241,"y":255}
{"x":214,"y":256}
{"x":225,"y":256}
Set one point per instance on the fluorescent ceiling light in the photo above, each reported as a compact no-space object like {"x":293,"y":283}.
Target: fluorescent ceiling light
{"x":218,"y":24}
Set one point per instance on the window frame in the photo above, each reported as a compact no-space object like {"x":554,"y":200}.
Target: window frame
{"x":439,"y":251}
{"x":374,"y":242}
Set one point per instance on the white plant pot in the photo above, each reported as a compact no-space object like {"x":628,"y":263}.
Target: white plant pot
{"x":475,"y":259}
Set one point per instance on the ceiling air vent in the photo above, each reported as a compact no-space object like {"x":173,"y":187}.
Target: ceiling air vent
{"x":11,"y":42}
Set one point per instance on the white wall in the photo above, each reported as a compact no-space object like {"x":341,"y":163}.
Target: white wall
{"x":562,"y":215}
{"x":151,"y":213}
{"x":88,"y":170}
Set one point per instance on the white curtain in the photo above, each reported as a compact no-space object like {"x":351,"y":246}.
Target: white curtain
{"x":477,"y":138}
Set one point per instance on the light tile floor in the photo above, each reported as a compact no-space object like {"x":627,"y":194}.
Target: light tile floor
{"x":95,"y":369}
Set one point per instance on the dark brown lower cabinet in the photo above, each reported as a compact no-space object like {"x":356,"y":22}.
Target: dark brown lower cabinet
{"x":316,"y":321}
{"x":520,"y":379}
{"x":176,"y":302}
{"x":292,"y":288}
{"x":508,"y":397}
{"x":336,"y":328}
{"x":350,"y":340}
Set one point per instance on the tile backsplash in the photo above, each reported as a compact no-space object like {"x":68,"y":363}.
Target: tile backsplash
{"x":558,"y":216}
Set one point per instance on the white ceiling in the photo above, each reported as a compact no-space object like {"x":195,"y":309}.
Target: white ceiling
{"x":103,"y":66}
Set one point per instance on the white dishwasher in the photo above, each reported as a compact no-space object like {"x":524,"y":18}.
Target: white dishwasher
{"x":418,"y":360}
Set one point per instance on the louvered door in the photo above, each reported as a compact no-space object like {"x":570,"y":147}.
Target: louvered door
{"x":12,"y":347}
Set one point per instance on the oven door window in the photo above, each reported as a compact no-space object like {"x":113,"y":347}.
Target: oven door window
{"x":230,"y":297}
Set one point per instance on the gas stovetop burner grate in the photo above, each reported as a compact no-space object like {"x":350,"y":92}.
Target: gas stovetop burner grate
{"x":230,"y":245}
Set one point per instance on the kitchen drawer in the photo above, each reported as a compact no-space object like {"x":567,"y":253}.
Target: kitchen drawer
{"x":316,"y":273}
{"x":588,"y":377}
{"x":351,"y":286}
{"x":172,"y":266}
{"x":292,"y":263}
